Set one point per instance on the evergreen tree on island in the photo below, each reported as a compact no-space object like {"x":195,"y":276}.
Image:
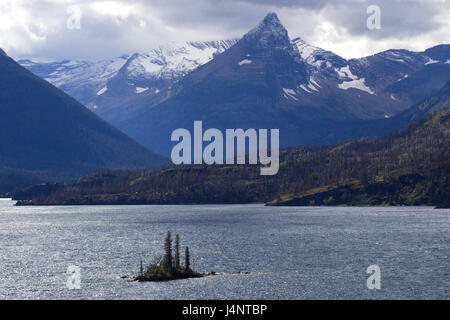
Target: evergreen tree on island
{"x":169,"y":267}
{"x":187,"y":262}
{"x":168,"y":253}
{"x":177,"y":253}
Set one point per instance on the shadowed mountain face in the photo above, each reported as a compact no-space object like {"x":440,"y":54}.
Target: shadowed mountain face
{"x":434,"y":103}
{"x":244,"y":87}
{"x":268,"y":81}
{"x":47,"y":135}
{"x":438,"y":101}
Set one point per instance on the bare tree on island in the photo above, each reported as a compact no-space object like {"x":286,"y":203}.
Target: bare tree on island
{"x":177,"y":253}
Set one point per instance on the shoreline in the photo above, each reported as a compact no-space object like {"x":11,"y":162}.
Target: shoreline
{"x":20,"y":204}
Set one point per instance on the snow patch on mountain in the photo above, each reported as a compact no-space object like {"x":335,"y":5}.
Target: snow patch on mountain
{"x":312,"y":87}
{"x":354,"y":82}
{"x":318,"y":58}
{"x":306,"y":51}
{"x":102,"y":90}
{"x":289,"y":93}
{"x":431,"y":61}
{"x":302,"y":86}
{"x":345,"y":73}
{"x":245,"y":61}
{"x":140,"y":90}
{"x":314,"y":82}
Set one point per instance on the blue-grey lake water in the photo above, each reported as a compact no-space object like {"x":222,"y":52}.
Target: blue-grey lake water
{"x":291,"y":253}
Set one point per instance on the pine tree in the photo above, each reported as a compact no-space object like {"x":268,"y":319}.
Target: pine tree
{"x":177,"y":253}
{"x":168,"y":253}
{"x":187,"y":262}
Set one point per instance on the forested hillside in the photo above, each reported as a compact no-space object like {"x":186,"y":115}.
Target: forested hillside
{"x":407,"y":168}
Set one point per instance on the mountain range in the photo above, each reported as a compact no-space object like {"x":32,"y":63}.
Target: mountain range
{"x":263,"y":80}
{"x":112,"y":88}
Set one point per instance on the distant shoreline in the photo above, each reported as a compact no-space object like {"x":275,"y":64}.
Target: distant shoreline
{"x":29,"y":203}
{"x":21,"y":203}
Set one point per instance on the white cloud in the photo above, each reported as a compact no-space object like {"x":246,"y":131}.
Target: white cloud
{"x":37,"y":28}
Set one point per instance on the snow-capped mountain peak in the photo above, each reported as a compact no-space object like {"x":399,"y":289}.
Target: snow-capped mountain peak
{"x":105,"y":84}
{"x":70,"y":73}
{"x":175,"y":59}
{"x":269,"y":33}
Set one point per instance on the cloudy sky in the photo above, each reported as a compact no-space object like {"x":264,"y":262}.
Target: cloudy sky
{"x":49,"y":28}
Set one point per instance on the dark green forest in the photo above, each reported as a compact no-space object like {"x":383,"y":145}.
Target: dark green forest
{"x":411,"y":167}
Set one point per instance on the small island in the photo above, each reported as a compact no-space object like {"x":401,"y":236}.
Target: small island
{"x":169,"y":267}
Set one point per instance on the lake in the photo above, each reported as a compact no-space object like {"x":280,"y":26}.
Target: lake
{"x":289,"y":252}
